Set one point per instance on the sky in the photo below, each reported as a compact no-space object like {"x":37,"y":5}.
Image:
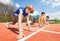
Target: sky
{"x":50,"y":7}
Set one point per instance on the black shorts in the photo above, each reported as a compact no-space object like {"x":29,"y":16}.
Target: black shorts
{"x":15,"y":19}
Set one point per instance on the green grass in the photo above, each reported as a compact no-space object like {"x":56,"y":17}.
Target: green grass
{"x":56,"y":22}
{"x":6,"y":17}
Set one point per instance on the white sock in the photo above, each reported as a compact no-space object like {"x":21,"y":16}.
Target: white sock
{"x":7,"y":24}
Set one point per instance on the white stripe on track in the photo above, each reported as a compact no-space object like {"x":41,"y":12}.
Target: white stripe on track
{"x":51,"y":31}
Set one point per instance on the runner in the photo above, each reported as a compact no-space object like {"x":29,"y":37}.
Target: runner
{"x":47,"y":20}
{"x":35,"y":18}
{"x":19,"y":15}
{"x":42,"y":19}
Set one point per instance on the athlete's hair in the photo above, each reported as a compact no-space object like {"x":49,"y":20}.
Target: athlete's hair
{"x":30,"y":7}
{"x":47,"y":16}
{"x":42,"y":13}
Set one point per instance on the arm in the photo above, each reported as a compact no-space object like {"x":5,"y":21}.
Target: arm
{"x":40,"y":21}
{"x":45,"y":20}
{"x":19,"y":20}
{"x":28,"y":20}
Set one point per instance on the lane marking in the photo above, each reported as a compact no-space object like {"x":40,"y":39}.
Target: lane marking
{"x":30,"y":35}
{"x":51,"y":31}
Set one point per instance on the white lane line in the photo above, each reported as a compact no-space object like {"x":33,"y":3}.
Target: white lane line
{"x":51,"y":31}
{"x":30,"y":35}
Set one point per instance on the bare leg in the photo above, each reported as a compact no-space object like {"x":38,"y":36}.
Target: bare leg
{"x":8,"y":23}
{"x":20,"y":27}
{"x":12,"y":23}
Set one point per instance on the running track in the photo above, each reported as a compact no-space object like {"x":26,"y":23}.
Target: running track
{"x":49,"y":33}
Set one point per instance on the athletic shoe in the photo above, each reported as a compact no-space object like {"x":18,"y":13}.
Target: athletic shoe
{"x":7,"y":24}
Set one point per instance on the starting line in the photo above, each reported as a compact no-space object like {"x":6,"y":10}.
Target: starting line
{"x":51,"y":31}
{"x":30,"y":35}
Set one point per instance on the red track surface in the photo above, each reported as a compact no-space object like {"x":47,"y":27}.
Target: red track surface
{"x":47,"y":36}
{"x":11,"y":33}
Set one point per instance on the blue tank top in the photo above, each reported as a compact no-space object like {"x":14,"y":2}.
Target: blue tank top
{"x":18,"y":11}
{"x":36,"y":16}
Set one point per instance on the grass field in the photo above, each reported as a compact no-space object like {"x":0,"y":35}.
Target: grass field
{"x":55,"y":21}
